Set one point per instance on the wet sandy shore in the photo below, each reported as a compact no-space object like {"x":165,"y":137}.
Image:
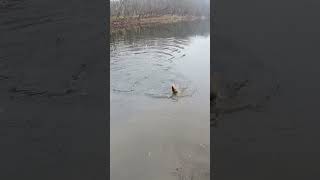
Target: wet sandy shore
{"x":52,"y":91}
{"x":280,"y":39}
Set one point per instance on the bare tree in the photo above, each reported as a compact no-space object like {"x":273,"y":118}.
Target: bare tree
{"x":148,"y":8}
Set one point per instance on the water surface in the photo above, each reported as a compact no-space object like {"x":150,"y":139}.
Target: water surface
{"x":269,"y":42}
{"x":154,"y":134}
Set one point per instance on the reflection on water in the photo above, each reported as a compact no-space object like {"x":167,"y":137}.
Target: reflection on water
{"x":155,"y":134}
{"x":143,"y":59}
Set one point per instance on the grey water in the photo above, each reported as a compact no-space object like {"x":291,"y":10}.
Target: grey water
{"x":269,"y":43}
{"x":155,"y":134}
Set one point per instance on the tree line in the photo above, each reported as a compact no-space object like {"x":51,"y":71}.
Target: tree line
{"x":150,"y":8}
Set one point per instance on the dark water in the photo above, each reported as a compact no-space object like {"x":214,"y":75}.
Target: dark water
{"x":270,"y":44}
{"x":154,"y":134}
{"x":46,"y":130}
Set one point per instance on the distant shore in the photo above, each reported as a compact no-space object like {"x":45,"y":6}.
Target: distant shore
{"x":117,"y":23}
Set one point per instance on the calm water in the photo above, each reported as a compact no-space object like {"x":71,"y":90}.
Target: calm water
{"x":269,"y":43}
{"x":155,"y":135}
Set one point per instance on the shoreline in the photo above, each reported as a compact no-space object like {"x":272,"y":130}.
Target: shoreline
{"x":118,"y":23}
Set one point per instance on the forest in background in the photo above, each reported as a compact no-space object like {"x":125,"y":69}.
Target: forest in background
{"x":154,"y":8}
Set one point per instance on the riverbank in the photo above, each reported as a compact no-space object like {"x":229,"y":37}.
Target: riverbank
{"x":117,"y":23}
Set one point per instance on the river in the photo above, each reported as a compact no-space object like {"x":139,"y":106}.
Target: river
{"x":154,"y":134}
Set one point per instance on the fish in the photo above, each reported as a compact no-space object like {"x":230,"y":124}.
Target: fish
{"x":174,"y":89}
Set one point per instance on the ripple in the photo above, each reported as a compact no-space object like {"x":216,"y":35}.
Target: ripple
{"x":148,"y":68}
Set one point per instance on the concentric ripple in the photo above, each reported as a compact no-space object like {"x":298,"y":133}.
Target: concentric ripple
{"x":148,"y":67}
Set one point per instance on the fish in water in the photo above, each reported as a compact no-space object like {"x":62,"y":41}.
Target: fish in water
{"x":174,"y":89}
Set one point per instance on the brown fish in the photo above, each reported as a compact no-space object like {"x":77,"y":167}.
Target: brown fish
{"x":174,"y":89}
